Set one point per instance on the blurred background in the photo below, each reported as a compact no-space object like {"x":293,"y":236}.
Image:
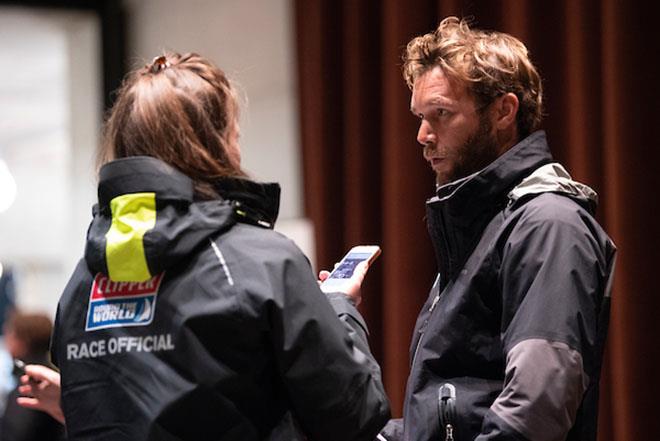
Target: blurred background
{"x":325,"y":113}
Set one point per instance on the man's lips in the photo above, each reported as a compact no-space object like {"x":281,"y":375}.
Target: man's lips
{"x":435,"y":161}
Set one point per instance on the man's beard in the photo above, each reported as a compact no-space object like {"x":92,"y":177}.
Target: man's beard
{"x":478,"y":151}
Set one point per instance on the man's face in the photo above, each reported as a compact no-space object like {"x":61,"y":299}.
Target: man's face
{"x":458,"y":140}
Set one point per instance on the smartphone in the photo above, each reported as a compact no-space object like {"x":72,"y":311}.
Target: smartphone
{"x":20,"y":366}
{"x":339,"y":277}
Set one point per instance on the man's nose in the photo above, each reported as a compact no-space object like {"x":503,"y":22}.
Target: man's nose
{"x":425,"y":135}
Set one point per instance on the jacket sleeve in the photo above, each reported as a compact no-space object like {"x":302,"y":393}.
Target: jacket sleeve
{"x":554,"y":272}
{"x":332,"y":380}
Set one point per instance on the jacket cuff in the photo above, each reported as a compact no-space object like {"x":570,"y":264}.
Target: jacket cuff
{"x":343,"y":306}
{"x":393,"y":431}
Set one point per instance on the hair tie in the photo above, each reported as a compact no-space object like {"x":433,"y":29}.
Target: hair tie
{"x":159,"y":63}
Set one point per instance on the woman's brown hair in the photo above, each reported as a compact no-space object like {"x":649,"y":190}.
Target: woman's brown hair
{"x":182,"y":110}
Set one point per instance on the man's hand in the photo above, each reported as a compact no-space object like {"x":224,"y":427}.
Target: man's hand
{"x":353,"y":290}
{"x":40,"y":387}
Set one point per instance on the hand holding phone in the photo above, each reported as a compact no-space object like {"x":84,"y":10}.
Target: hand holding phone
{"x":341,"y":279}
{"x":40,"y":389}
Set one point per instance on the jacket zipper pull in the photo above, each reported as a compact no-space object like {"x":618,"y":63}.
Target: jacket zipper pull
{"x":447,"y":409}
{"x":450,"y":433}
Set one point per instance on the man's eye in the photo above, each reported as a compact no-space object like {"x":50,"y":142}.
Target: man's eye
{"x":443,"y":112}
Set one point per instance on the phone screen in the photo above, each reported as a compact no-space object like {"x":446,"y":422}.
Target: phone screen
{"x":347,"y":266}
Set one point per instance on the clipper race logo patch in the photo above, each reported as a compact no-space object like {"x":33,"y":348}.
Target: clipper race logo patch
{"x":118,"y":304}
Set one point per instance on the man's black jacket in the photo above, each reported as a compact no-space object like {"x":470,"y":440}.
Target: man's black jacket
{"x":509,"y":343}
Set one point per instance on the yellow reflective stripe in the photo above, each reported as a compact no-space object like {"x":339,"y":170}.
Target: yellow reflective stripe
{"x":132,"y":216}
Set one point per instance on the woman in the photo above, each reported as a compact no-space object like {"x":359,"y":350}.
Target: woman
{"x":189,"y":318}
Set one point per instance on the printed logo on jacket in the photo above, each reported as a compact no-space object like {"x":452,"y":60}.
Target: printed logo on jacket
{"x":118,"y":304}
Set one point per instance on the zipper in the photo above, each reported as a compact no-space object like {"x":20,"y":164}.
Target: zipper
{"x":445,"y":242}
{"x":426,"y":322}
{"x":447,"y":409}
{"x":435,"y":302}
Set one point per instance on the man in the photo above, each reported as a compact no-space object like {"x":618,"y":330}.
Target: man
{"x":509,"y":343}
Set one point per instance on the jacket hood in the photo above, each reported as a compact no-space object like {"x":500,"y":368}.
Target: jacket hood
{"x":553,"y":178}
{"x":147,"y":220}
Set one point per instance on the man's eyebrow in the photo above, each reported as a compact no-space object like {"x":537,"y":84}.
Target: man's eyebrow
{"x":433,"y":101}
{"x":441,"y":101}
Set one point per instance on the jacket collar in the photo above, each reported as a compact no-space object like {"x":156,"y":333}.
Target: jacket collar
{"x":160,"y":220}
{"x":254,"y":202}
{"x":496,"y":179}
{"x":460,"y":211}
{"x":140,"y":174}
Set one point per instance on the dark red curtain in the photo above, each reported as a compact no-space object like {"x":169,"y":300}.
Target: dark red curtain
{"x":366,"y":182}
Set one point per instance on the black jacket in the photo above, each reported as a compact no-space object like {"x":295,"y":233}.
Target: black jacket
{"x":213,"y":326}
{"x":509,"y":343}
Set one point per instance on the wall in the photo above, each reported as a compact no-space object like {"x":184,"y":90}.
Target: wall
{"x":50,"y":117}
{"x":49,"y":122}
{"x":252,"y":41}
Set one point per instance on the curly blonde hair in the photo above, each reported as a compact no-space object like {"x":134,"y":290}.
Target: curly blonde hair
{"x":489,"y":63}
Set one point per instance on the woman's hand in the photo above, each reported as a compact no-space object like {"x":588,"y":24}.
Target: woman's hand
{"x":353,"y":290}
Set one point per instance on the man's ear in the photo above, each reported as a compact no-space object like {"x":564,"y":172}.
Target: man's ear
{"x":506,"y":109}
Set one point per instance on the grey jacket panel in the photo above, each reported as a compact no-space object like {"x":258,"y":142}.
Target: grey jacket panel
{"x":553,"y":178}
{"x":543,"y":389}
